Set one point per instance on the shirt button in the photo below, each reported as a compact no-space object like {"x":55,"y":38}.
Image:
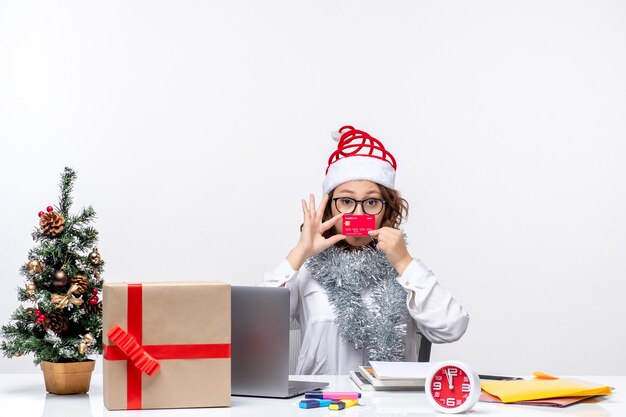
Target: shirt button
{"x":406,"y":283}
{"x":286,"y":275}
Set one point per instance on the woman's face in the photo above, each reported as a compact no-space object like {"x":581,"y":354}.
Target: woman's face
{"x":357,"y":190}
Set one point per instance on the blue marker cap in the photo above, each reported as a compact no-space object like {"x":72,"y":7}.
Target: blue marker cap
{"x":314,"y":403}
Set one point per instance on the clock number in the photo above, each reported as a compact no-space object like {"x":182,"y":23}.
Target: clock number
{"x":437,"y":386}
{"x":465,"y":388}
{"x":453,"y":371}
{"x":450,"y":402}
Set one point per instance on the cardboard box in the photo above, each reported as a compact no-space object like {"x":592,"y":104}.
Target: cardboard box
{"x":179,"y":332}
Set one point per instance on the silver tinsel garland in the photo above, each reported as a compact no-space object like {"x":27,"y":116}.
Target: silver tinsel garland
{"x":378,"y":327}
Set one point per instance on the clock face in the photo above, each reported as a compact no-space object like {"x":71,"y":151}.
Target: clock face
{"x":450,"y":387}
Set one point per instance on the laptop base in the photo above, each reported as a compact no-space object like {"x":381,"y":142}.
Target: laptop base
{"x":295,"y":388}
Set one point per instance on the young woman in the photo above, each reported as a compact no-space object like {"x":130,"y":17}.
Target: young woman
{"x":361,"y":298}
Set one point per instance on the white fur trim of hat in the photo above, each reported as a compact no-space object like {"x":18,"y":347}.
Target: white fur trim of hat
{"x":359,"y":156}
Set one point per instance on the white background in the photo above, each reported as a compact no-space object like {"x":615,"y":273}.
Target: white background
{"x":196,"y":127}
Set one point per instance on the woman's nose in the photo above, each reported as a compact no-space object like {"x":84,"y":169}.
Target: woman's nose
{"x":359,"y":209}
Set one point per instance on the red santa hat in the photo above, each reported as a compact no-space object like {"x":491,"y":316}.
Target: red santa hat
{"x":359,"y":156}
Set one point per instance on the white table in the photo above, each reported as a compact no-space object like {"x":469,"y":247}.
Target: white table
{"x":24,"y":395}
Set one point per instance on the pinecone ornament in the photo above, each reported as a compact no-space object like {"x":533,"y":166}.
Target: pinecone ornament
{"x":55,"y":322}
{"x":93,"y":308}
{"x":82,"y":282}
{"x":51,"y":223}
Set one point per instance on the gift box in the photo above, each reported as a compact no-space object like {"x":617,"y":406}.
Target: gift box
{"x":166,"y":345}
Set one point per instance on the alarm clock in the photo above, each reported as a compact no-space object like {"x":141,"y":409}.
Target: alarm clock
{"x":452,"y":387}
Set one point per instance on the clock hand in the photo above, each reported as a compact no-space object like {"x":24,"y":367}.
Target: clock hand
{"x":450,"y":385}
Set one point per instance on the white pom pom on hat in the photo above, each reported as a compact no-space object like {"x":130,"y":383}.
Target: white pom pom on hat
{"x":359,"y":156}
{"x":336,"y":135}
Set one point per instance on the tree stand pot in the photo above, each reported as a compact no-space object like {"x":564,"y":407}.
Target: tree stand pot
{"x":67,"y":378}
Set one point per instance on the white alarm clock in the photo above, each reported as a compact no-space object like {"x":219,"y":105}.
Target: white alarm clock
{"x":452,"y":387}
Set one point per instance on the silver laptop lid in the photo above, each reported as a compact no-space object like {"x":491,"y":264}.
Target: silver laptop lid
{"x":260,"y":341}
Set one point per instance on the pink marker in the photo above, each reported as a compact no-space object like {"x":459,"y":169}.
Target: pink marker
{"x":326,"y":395}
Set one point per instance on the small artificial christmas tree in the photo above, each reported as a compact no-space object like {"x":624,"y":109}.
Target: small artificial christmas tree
{"x":64,"y":320}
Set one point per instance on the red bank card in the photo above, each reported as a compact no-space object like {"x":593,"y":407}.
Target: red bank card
{"x":358,"y":225}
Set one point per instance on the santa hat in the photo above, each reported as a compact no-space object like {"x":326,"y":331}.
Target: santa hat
{"x":359,"y":156}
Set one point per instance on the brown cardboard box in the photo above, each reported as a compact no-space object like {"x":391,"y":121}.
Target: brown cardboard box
{"x":170,"y":321}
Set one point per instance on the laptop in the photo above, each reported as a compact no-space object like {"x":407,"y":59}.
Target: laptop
{"x":260,"y":344}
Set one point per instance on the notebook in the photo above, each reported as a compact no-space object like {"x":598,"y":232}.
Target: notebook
{"x":260,"y":344}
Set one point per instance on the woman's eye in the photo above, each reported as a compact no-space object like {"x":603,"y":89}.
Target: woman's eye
{"x":347,"y":202}
{"x":371,"y":202}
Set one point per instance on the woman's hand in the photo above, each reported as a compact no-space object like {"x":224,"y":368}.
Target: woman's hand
{"x":391,"y":242}
{"x":312,"y":240}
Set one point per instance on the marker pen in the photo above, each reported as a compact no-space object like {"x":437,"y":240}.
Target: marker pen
{"x":340,"y":405}
{"x":314,"y":403}
{"x":500,"y":378}
{"x":327,"y":395}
